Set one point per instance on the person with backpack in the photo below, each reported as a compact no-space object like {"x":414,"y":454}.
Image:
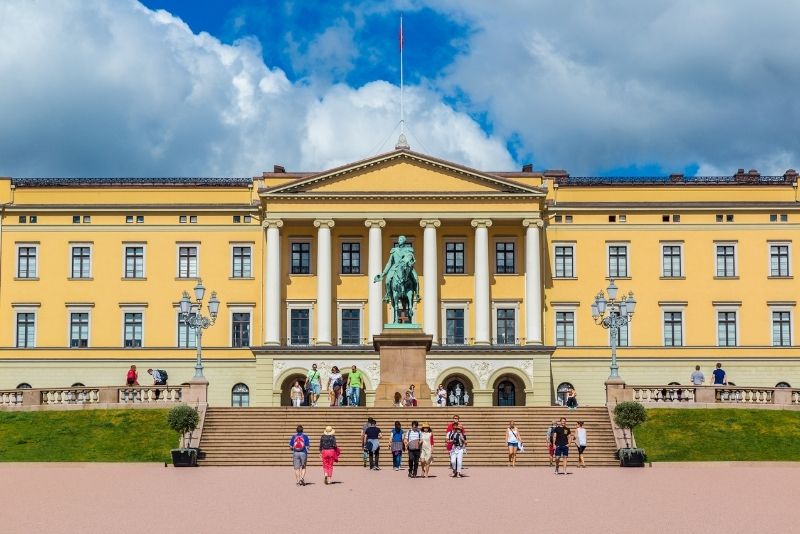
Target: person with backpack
{"x":132,"y":378}
{"x":160,"y":378}
{"x":457,"y":440}
{"x":299,"y":443}
{"x":329,"y":452}
{"x":413,"y":443}
{"x":397,"y":446}
{"x":372,"y":442}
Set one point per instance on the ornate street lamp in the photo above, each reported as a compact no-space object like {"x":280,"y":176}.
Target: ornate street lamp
{"x":620,"y":313}
{"x":191,"y":316}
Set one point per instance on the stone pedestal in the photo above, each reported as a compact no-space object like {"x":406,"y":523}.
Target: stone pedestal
{"x":403,"y":350}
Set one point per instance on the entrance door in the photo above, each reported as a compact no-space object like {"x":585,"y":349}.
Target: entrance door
{"x":506,"y":393}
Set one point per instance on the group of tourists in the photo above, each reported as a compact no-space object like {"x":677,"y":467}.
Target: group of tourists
{"x":341,"y":390}
{"x":418,"y":442}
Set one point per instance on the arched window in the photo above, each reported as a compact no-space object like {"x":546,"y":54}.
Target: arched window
{"x":561,"y":393}
{"x":783,"y":385}
{"x":459,"y":391}
{"x":77,"y":385}
{"x":672,"y":394}
{"x":240,"y":396}
{"x":506,"y":393}
{"x":24,"y":385}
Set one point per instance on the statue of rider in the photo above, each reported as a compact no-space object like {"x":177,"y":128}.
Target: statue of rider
{"x":402,"y":254}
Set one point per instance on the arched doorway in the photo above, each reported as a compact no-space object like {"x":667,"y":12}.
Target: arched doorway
{"x":783,"y":385}
{"x":561,"y":393}
{"x":459,"y":390}
{"x":240,"y":396}
{"x":508,"y":391}
{"x":286,"y":387}
{"x":362,"y":401}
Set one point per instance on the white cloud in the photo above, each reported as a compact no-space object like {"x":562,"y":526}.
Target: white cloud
{"x":113,"y":88}
{"x":593,"y":85}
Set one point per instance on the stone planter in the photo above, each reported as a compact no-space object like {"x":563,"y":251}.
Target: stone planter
{"x":629,"y":457}
{"x":184,"y":457}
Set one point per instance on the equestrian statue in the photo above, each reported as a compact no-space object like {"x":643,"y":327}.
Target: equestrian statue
{"x":402,"y":284}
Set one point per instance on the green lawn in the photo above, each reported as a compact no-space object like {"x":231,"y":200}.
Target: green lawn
{"x":720,"y":435}
{"x":86,"y":436}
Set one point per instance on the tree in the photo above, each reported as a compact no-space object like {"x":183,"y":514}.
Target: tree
{"x":183,"y":419}
{"x":629,"y":415}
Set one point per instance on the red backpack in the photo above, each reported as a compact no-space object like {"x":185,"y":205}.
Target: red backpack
{"x":131,"y":376}
{"x":299,"y":443}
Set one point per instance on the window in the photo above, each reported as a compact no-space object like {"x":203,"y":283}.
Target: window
{"x":301,"y":258}
{"x":79,"y":329}
{"x":454,"y":323}
{"x":26,"y":261}
{"x":504,"y":257}
{"x":673,"y":328}
{"x":779,"y":260}
{"x":506,"y":326}
{"x":182,"y":219}
{"x":242,"y":261}
{"x":76,"y":219}
{"x":565,"y":261}
{"x":299,"y":327}
{"x":568,"y":219}
{"x":726,"y":261}
{"x":192,"y":219}
{"x":22,"y":219}
{"x":187,"y":337}
{"x":729,"y":217}
{"x":726,"y":328}
{"x":558,"y":218}
{"x":351,"y":326}
{"x":87,"y":219}
{"x":618,"y":261}
{"x":248,"y":219}
{"x":671,"y":261}
{"x":33,"y":219}
{"x":622,"y":341}
{"x":187,"y":262}
{"x":26,"y":329}
{"x":351,"y":258}
{"x":237,"y":218}
{"x":612,"y":218}
{"x":240,"y":396}
{"x":784,"y":217}
{"x":139,"y":219}
{"x":454,"y":257}
{"x":133,"y":329}
{"x":623,"y":218}
{"x":241,"y":329}
{"x":23,"y":385}
{"x":81,"y":261}
{"x":134,"y":261}
{"x":773,"y":217}
{"x":129,"y":219}
{"x":565,"y":329}
{"x":665,"y":218}
{"x":676,"y":218}
{"x":781,"y":328}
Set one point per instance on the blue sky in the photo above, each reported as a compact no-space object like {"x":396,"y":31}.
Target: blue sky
{"x":616,"y":87}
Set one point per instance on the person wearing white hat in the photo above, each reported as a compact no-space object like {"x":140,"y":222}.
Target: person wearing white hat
{"x":328,"y":452}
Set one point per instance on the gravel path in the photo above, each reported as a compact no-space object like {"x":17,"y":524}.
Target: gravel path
{"x":124,"y":498}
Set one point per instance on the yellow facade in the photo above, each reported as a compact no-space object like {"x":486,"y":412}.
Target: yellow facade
{"x":742,"y":224}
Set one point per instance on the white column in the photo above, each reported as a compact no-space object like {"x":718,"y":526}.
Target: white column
{"x":430,"y":273}
{"x":533,"y":281}
{"x":324,"y":262}
{"x":483,"y":330}
{"x":374,"y":268}
{"x":272,"y":286}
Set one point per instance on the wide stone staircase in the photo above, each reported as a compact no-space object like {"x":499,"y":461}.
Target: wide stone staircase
{"x":260,"y":436}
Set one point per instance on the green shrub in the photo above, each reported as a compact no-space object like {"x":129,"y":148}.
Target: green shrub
{"x":629,"y":415}
{"x":183,"y":419}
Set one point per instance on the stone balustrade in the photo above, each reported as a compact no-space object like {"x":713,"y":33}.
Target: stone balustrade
{"x":701,"y":396}
{"x":103,"y":397}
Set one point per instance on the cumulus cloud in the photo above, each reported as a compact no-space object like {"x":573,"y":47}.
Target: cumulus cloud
{"x":589,"y":85}
{"x":113,"y":88}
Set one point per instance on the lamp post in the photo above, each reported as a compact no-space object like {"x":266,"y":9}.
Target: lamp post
{"x":193,"y":318}
{"x":620,"y":313}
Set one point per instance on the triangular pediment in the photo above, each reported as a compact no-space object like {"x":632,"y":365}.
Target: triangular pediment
{"x":402,"y":172}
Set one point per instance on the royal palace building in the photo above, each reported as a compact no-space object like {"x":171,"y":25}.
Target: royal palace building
{"x":509,"y":263}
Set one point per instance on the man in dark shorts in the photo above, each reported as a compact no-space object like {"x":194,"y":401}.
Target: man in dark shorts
{"x":561,"y":439}
{"x":299,"y":443}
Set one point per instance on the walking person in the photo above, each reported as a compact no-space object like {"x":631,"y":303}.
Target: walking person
{"x":697,"y":377}
{"x":441,"y":396}
{"x":426,"y":449}
{"x":132,"y":378}
{"x":313,"y":385}
{"x":299,"y":443}
{"x":328,"y":452}
{"x":297,"y":394}
{"x":355,"y":381}
{"x":413,"y":394}
{"x":513,"y":442}
{"x":551,"y":448}
{"x":561,"y":439}
{"x":371,"y":441}
{"x":572,"y":399}
{"x":458,"y":442}
{"x":413,"y":444}
{"x":364,"y":455}
{"x":720,"y":377}
{"x":580,"y":438}
{"x":335,"y":384}
{"x":397,"y":446}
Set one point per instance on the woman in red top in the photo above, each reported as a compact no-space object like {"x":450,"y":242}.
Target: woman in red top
{"x":132,"y":378}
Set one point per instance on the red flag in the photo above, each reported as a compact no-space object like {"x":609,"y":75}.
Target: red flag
{"x":401,"y":33}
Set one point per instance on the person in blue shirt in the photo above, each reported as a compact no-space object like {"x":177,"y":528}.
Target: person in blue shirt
{"x":299,"y":443}
{"x":720,"y":378}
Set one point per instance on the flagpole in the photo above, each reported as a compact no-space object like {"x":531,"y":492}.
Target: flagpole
{"x":402,"y":111}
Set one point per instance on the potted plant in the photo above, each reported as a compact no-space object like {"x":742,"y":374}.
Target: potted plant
{"x":184,"y":419}
{"x":627,"y":416}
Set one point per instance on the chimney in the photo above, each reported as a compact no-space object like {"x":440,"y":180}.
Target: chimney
{"x":528,"y":167}
{"x":278,"y":169}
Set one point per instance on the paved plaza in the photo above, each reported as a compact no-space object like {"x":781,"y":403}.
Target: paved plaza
{"x":123,"y":498}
